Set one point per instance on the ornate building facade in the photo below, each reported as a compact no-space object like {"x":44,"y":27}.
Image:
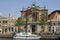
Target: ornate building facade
{"x":7,"y":25}
{"x":33,"y":14}
{"x":3,"y":23}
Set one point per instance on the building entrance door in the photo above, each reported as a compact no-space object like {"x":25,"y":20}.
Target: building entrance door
{"x":33,"y":28}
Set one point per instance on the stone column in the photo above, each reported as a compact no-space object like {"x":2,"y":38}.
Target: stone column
{"x":14,"y":29}
{"x":54,"y":29}
{"x":28,"y":28}
{"x":4,"y":30}
{"x":51,"y":29}
{"x":57,"y":28}
{"x":7,"y":30}
{"x":10,"y":29}
{"x":46,"y":28}
{"x":37,"y":28}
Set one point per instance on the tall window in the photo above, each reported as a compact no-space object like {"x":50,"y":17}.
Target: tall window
{"x":34,"y":16}
{"x":6,"y":21}
{"x":12,"y":29}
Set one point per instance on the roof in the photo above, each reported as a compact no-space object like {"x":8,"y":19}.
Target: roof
{"x":33,"y":5}
{"x":3,"y":17}
{"x":54,"y":12}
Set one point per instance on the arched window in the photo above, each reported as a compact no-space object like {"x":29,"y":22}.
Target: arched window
{"x":12,"y":29}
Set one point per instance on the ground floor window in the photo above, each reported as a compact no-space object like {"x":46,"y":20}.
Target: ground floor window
{"x":9,"y":29}
{"x":12,"y":29}
{"x":0,"y":30}
{"x":5,"y":30}
{"x":15,"y":30}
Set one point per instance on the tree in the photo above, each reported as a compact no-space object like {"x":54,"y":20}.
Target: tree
{"x":19,"y":22}
{"x":43,"y":21}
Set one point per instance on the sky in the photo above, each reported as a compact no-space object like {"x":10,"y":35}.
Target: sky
{"x":15,"y":6}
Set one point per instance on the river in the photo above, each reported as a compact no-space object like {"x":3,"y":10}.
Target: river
{"x":20,"y":39}
{"x":6,"y":38}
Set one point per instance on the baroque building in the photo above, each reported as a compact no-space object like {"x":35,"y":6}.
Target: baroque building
{"x":33,"y":14}
{"x":54,"y":21}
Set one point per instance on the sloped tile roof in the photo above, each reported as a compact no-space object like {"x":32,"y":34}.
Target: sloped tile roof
{"x":3,"y":17}
{"x":54,"y":12}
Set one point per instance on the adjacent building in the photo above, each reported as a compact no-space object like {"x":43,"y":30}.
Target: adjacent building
{"x":7,"y":25}
{"x":54,"y":21}
{"x":3,"y":23}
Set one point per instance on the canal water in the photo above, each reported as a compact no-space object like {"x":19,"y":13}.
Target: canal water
{"x":20,"y":39}
{"x":6,"y":38}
